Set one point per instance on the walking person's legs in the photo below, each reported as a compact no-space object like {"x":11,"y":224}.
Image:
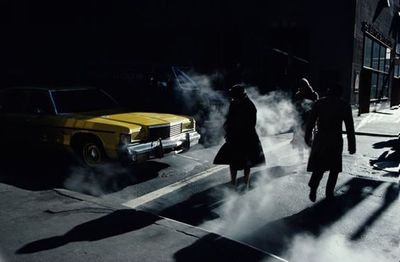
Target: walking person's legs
{"x":233,"y":172}
{"x":330,"y":186}
{"x":247,"y":177}
{"x":315,"y":179}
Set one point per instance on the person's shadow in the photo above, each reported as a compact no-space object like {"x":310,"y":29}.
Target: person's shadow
{"x":391,"y":195}
{"x":276,"y":236}
{"x":213,"y":247}
{"x":113,"y":224}
{"x":390,"y":159}
{"x":200,"y":207}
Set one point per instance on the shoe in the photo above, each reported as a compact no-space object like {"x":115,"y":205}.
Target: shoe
{"x":313,"y":195}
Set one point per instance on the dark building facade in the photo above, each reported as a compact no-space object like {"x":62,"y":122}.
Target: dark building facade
{"x":375,"y":74}
{"x":271,"y":44}
{"x":355,"y":43}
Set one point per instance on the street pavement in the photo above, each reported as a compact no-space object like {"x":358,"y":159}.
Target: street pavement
{"x":62,"y":225}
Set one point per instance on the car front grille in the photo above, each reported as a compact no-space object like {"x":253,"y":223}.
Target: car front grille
{"x":164,"y":131}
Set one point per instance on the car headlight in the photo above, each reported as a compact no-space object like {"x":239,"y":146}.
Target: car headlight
{"x":190,"y":124}
{"x":125,"y":139}
{"x":193,"y":123}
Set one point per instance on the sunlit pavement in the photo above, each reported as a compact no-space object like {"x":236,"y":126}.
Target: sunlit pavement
{"x":360,"y":224}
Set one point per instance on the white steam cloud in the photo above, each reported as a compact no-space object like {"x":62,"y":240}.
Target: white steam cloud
{"x":243,"y":216}
{"x":239,"y":216}
{"x":98,"y":181}
{"x":202,"y":99}
{"x":276,"y":113}
{"x":331,"y":248}
{"x":2,"y":259}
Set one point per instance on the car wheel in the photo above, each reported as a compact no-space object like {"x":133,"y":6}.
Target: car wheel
{"x":92,"y":154}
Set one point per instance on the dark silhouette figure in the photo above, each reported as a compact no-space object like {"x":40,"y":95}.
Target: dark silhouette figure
{"x":242,"y":149}
{"x":303,"y":100}
{"x":213,"y":247}
{"x":327,"y":146}
{"x":113,"y":224}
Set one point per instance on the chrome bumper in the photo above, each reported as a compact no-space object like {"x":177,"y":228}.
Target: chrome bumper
{"x":135,"y":153}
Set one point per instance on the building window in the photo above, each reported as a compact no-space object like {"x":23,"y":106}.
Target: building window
{"x":375,"y":55}
{"x":367,"y":52}
{"x":374,"y":84}
{"x":377,"y":59}
{"x":387,"y":63}
{"x":397,"y":71}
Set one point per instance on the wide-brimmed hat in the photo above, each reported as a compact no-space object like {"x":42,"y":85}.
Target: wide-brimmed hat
{"x":237,"y":91}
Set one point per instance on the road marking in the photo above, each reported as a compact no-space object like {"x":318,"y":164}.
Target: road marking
{"x":173,"y":187}
{"x":178,"y":185}
{"x":189,"y":157}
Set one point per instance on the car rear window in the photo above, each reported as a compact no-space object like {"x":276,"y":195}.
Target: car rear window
{"x":82,"y":100}
{"x":12,"y":101}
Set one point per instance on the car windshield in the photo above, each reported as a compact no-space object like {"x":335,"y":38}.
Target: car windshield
{"x":82,"y":100}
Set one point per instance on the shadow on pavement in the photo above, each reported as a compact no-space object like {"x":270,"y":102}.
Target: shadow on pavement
{"x":391,"y":195}
{"x":276,"y":236}
{"x":113,"y":224}
{"x":382,"y":113}
{"x":200,"y":207}
{"x":390,"y":159}
{"x":46,"y":170}
{"x":215,"y":248}
{"x":392,"y":143}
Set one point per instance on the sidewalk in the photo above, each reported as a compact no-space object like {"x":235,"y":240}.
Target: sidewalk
{"x":384,"y":123}
{"x":60,"y":225}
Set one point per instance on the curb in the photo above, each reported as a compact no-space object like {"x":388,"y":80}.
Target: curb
{"x":114,"y":205}
{"x":374,"y":134}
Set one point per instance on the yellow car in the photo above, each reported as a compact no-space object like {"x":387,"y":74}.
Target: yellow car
{"x":90,"y":123}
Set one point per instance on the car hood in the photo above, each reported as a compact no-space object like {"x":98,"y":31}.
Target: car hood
{"x":140,"y":119}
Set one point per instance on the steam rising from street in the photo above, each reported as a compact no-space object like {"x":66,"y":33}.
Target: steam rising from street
{"x":275,"y":112}
{"x":100,"y":180}
{"x":240,"y":213}
{"x":330,"y":247}
{"x":200,"y":98}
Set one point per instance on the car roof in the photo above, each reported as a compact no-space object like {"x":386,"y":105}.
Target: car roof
{"x":45,"y":88}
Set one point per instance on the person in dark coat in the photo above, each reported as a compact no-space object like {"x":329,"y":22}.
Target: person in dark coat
{"x":242,"y":148}
{"x":303,"y":99}
{"x":327,"y":146}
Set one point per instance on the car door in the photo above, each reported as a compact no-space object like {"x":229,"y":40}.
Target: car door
{"x":40,"y":118}
{"x":12,"y":118}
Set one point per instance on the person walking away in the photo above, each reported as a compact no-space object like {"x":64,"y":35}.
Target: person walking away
{"x":304,"y":99}
{"x":242,"y":149}
{"x":327,"y":146}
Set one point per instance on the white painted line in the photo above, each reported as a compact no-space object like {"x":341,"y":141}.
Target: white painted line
{"x":178,"y":185}
{"x":189,"y":157}
{"x":367,"y":119}
{"x":173,"y":187}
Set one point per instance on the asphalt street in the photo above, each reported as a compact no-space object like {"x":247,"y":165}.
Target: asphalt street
{"x":63,"y":213}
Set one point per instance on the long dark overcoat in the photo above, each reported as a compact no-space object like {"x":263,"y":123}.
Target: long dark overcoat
{"x":242,"y":148}
{"x":327,"y":146}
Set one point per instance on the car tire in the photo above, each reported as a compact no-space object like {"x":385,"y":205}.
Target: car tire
{"x":92,"y":153}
